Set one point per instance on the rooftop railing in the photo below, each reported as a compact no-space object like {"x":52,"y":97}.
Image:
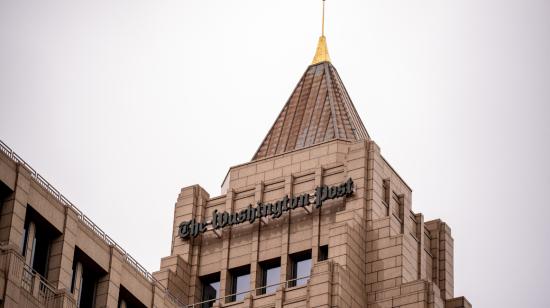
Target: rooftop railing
{"x":87,"y":221}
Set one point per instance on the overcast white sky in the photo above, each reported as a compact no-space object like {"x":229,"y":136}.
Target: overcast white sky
{"x":119,"y":104}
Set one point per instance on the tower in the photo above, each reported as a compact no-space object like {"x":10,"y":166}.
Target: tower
{"x":317,"y":218}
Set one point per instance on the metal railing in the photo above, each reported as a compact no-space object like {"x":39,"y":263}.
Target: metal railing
{"x":87,"y":221}
{"x":29,"y":280}
{"x":232,"y":298}
{"x":37,"y":285}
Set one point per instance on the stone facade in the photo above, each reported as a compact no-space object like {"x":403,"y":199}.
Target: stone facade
{"x":368,"y":249}
{"x":380,"y":253}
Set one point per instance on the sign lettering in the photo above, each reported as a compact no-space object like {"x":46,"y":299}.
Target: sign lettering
{"x":221,"y":220}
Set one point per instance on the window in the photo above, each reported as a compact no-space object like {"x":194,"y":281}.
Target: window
{"x":323,"y":253}
{"x":210,"y":289}
{"x":300,"y":268}
{"x":88,"y":282}
{"x":270,"y":276}
{"x":38,"y":234}
{"x":240,"y":283}
{"x":84,"y":283}
{"x":41,"y":251}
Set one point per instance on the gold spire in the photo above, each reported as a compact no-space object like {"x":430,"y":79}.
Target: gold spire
{"x":321,"y":55}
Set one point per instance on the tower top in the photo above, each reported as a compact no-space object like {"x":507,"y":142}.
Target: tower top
{"x":318,"y":110}
{"x":321,"y":55}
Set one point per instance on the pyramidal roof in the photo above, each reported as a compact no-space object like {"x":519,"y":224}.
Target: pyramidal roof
{"x":318,"y":110}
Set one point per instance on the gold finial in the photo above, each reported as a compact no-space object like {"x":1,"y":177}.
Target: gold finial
{"x":321,"y":55}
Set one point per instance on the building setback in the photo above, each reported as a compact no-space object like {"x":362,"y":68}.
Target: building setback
{"x":317,"y":218}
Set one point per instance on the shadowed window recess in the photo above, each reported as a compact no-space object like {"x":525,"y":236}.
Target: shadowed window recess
{"x":85,"y":279}
{"x":323,"y":253}
{"x":210,"y":289}
{"x":38,"y":235}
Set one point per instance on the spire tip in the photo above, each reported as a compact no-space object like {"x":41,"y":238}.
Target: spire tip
{"x":321,"y":55}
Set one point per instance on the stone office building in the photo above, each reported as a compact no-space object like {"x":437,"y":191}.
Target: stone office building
{"x":317,"y":218}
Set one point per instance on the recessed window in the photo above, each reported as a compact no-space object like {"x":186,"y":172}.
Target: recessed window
{"x":41,"y":250}
{"x":88,"y":282}
{"x":323,"y":253}
{"x":210,"y":289}
{"x":300,"y":268}
{"x":240,"y":283}
{"x":86,"y":274}
{"x":270,"y":276}
{"x":39,"y":234}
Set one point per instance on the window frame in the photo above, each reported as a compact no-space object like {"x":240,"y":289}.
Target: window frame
{"x":296,"y":258}
{"x":265,"y":266}
{"x":208,"y":280}
{"x":234,"y":274}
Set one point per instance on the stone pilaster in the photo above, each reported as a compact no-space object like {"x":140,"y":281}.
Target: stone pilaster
{"x":442,"y":251}
{"x":62,"y":253}
{"x":14,"y":210}
{"x":190,"y":204}
{"x":108,"y":287}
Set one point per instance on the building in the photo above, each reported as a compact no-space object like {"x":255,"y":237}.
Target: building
{"x":317,"y":218}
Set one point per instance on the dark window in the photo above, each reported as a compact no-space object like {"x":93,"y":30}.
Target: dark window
{"x":86,"y":274}
{"x":88,"y":282}
{"x":270,"y":276}
{"x":300,"y":268}
{"x":38,"y":243}
{"x":210,"y":289}
{"x":41,"y":251}
{"x":240,"y":283}
{"x":323,"y":253}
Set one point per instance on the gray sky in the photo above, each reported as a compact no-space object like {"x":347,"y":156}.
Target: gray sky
{"x":119,"y":104}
